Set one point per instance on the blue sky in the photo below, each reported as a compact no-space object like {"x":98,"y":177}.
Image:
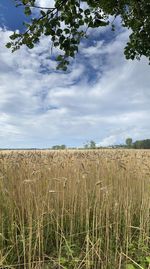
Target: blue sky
{"x":102,"y":96}
{"x":10,"y":16}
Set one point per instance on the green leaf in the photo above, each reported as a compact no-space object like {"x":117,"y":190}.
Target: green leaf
{"x":56,"y":44}
{"x":72,"y":53}
{"x":67,"y":31}
{"x":25,"y":2}
{"x":43,"y":13}
{"x":49,"y":31}
{"x":81,"y":22}
{"x":148,"y":259}
{"x":66,"y":44}
{"x":87,"y":12}
{"x":59,"y":32}
{"x":91,"y":24}
{"x":80,"y":10}
{"x":53,"y":38}
{"x":8,"y":45}
{"x":76,"y":48}
{"x":99,"y":23}
{"x":59,"y":58}
{"x":30,"y":45}
{"x":63,"y":260}
{"x":61,"y":66}
{"x":130,"y":266}
{"x":61,"y":39}
{"x":14,"y":36}
{"x":27,"y":11}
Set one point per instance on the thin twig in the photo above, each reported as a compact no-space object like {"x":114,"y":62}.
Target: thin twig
{"x":132,"y":260}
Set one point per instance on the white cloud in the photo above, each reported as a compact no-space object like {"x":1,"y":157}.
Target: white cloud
{"x":108,"y":141}
{"x":103,"y":96}
{"x":45,"y":3}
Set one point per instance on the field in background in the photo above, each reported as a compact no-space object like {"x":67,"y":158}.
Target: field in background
{"x":85,"y":209}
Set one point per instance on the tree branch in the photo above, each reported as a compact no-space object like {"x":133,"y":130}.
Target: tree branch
{"x":43,"y":16}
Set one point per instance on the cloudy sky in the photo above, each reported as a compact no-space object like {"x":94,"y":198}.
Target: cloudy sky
{"x":102,"y":96}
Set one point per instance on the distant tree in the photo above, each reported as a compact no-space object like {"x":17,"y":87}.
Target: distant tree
{"x":90,"y":145}
{"x":129,"y":142}
{"x":56,"y":147}
{"x":63,"y":147}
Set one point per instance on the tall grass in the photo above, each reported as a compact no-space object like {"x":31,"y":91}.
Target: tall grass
{"x":75,"y":209}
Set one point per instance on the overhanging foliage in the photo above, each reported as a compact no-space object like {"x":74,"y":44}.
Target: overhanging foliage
{"x":66,"y":23}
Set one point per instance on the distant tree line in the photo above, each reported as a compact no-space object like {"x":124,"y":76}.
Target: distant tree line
{"x":59,"y":147}
{"x":139,"y":144}
{"x":89,"y":145}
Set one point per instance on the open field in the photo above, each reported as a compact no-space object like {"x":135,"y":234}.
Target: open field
{"x":75,"y":209}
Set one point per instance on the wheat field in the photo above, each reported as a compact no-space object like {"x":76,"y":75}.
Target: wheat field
{"x":75,"y":209}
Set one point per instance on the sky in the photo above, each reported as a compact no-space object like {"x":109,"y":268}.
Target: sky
{"x":102,"y":97}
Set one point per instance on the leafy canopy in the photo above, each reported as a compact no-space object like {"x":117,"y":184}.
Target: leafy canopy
{"x":67,"y":22}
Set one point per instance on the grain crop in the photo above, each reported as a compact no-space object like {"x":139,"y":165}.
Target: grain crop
{"x":75,"y":209}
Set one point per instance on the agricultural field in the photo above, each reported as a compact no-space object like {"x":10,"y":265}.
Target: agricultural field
{"x":75,"y":209}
